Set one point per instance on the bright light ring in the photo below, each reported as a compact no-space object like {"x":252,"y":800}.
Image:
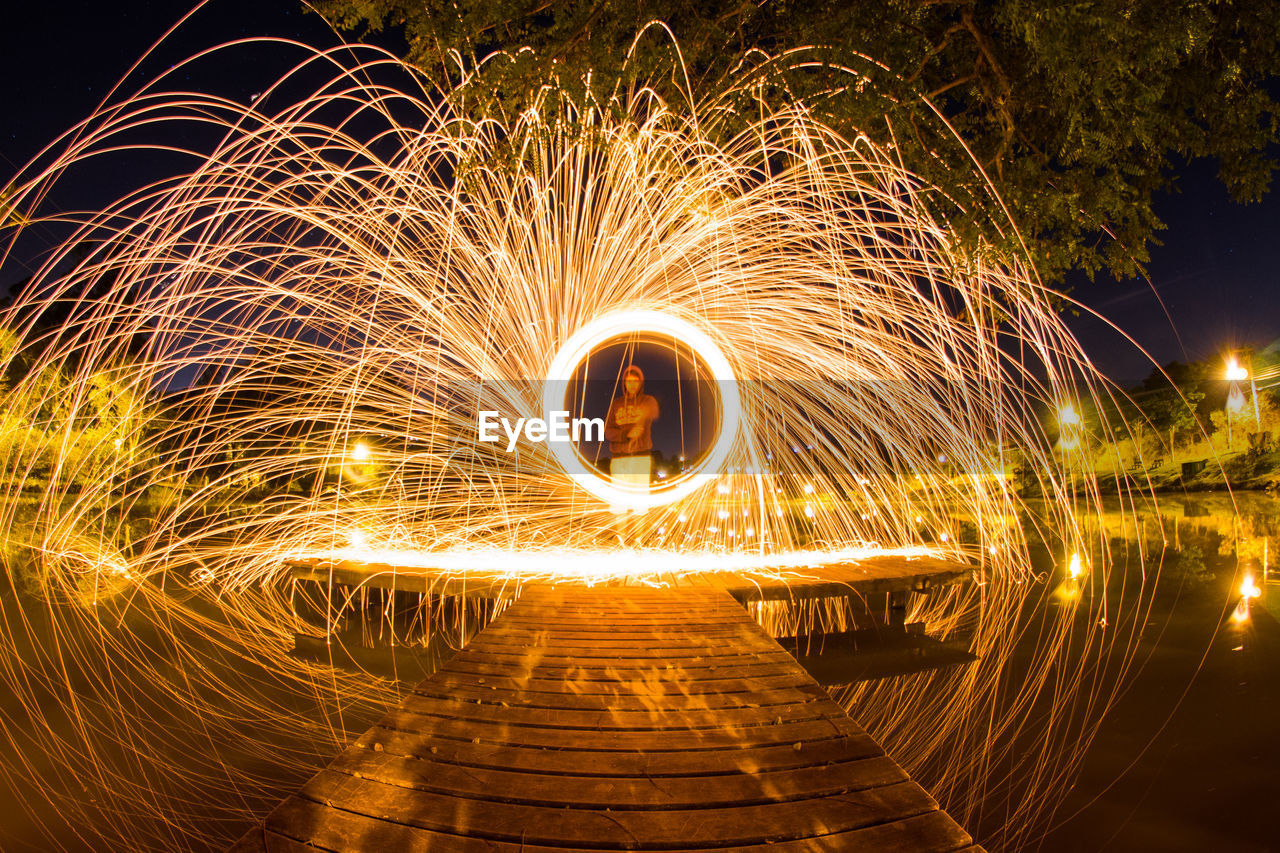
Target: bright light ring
{"x":592,"y":335}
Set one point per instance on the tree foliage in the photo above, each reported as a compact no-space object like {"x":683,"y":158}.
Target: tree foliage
{"x":50,"y":421}
{"x":1171,"y":397}
{"x":1077,"y":112}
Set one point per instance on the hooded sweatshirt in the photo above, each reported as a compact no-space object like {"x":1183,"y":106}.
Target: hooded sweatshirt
{"x":627,"y":412}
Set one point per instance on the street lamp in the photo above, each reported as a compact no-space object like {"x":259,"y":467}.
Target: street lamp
{"x":1237,"y":373}
{"x":1069,"y":427}
{"x":357,"y":455}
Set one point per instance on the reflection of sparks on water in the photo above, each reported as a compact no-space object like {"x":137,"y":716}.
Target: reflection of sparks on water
{"x":283,"y":352}
{"x":616,"y":564}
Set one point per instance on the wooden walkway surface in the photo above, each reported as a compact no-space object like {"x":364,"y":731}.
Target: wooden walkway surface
{"x":615,"y":718}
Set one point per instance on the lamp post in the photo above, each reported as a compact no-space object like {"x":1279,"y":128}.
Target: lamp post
{"x":1070,"y":426}
{"x":1237,"y":373}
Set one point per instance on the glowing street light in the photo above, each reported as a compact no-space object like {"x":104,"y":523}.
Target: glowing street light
{"x":1068,"y":427}
{"x":1237,"y":373}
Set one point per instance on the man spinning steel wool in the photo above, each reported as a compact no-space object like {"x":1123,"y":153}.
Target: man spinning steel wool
{"x":627,"y":429}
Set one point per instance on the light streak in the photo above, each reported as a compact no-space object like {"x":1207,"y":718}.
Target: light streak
{"x":632,"y":321}
{"x":642,"y":564}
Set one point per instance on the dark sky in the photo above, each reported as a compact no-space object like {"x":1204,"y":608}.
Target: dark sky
{"x":60,"y":58}
{"x":1216,"y":274}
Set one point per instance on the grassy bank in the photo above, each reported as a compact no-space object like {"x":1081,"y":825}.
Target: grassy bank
{"x":1205,"y":473}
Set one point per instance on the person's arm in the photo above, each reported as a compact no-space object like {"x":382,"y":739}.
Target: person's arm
{"x":612,"y":429}
{"x":648,"y":414}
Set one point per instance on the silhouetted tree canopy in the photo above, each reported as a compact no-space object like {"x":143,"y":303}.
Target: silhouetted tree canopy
{"x":1171,"y":397}
{"x":1078,"y":112}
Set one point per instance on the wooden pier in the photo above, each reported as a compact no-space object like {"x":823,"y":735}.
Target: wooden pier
{"x":614,"y":718}
{"x":869,"y":576}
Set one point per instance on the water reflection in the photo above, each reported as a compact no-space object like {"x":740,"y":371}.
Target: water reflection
{"x":1178,"y":762}
{"x":1190,"y":733}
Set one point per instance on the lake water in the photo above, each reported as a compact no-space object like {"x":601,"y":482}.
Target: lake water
{"x":1183,"y":762}
{"x":1189,"y":757}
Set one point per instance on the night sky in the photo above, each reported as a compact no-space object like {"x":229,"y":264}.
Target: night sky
{"x":1216,"y":274}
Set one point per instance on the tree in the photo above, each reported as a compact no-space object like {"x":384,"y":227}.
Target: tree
{"x":1079,"y":113}
{"x":81,"y":426}
{"x":1172,"y":396}
{"x":1169,"y":401}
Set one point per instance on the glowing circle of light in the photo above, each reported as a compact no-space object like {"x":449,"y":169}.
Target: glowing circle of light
{"x":612,"y":325}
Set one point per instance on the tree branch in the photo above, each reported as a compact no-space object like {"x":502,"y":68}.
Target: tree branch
{"x":935,"y":50}
{"x":583,"y":31}
{"x":968,"y":78}
{"x":1001,"y":105}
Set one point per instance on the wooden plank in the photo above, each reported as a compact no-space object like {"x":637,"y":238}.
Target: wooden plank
{"x":332,"y":829}
{"x":605,"y":719}
{"x":595,"y":666}
{"x":651,"y":685}
{"x":622,"y":702}
{"x":655,"y":740}
{"x":565,"y":624}
{"x":620,"y":792}
{"x":619,"y":828}
{"x":657,"y":763}
{"x":621,"y":638}
{"x":585,"y":672}
{"x":615,"y":719}
{"x":654,"y":649}
{"x":592,"y":656}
